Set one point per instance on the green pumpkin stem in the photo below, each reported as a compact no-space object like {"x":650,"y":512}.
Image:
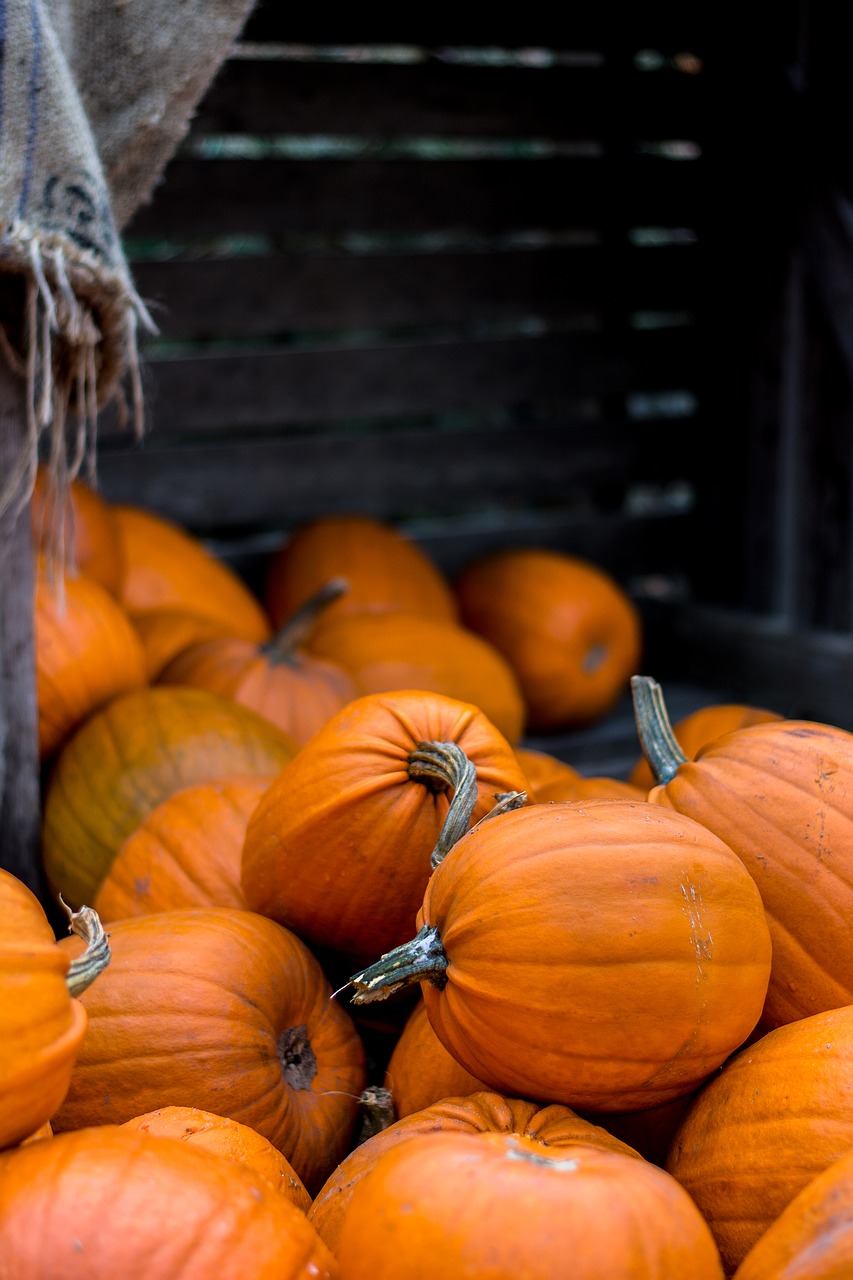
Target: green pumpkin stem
{"x":445,"y":766}
{"x":83,"y":970}
{"x":662,"y":752}
{"x":295,"y":631}
{"x":422,"y":959}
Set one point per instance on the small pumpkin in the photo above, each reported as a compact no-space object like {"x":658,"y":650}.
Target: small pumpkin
{"x":108,"y":1202}
{"x":207,"y":1131}
{"x":587,"y":953}
{"x":339,"y":847}
{"x":297,"y":690}
{"x":129,"y":757}
{"x":227,"y":1011}
{"x":568,"y":629}
{"x":42,"y":1023}
{"x":187,"y":852}
{"x":74,"y":526}
{"x":499,"y":1205}
{"x":385,"y":570}
{"x":420,"y":1071}
{"x":701,"y":727}
{"x":166,"y":632}
{"x":87,"y":652}
{"x":548,"y":1128}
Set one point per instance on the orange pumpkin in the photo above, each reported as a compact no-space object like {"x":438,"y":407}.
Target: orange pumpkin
{"x":701,"y":727}
{"x":385,"y":651}
{"x":73,"y":525}
{"x":553,"y":1128}
{"x":127,"y":758}
{"x":227,"y":1011}
{"x":569,"y":631}
{"x":339,"y":847}
{"x":420,"y":1071}
{"x":383,"y":568}
{"x":777,"y":1115}
{"x":41,"y":1024}
{"x":780,"y":794}
{"x":207,"y":1131}
{"x":86,"y":652}
{"x":553,"y":779}
{"x":165,"y":633}
{"x":597,"y":954}
{"x":281,"y":679}
{"x":489,"y":1204}
{"x":186,"y":852}
{"x":164,"y":566}
{"x":110,"y":1202}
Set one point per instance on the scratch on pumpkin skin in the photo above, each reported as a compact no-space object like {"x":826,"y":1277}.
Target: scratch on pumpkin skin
{"x":703,"y":946}
{"x":823,"y":779}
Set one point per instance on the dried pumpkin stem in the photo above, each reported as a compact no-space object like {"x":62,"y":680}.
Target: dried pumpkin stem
{"x":377,"y":1113}
{"x":83,"y":970}
{"x":422,"y":959}
{"x":662,"y":752}
{"x":300,"y":624}
{"x":445,"y":766}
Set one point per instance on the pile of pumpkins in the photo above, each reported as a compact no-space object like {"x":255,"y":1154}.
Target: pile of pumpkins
{"x":356,"y":985}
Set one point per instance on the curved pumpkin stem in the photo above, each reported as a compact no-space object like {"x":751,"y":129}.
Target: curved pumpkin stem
{"x":83,"y":971}
{"x":657,"y":740}
{"x":377,"y":1113}
{"x":446,"y":764}
{"x":422,"y":959}
{"x":293,"y":633}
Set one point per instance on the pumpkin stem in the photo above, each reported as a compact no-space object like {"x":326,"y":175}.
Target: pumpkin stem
{"x":422,"y":959}
{"x":445,"y":766}
{"x":292,"y":634}
{"x":657,"y":740}
{"x":377,"y":1113}
{"x":83,"y":971}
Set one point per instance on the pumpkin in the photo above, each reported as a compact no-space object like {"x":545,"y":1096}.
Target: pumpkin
{"x":780,"y":794}
{"x":167,"y":567}
{"x":499,"y":1205}
{"x":127,"y":758}
{"x":420,"y":1071}
{"x":76,"y":529}
{"x":222,"y":1136}
{"x":108,"y":1202}
{"x":592,"y":953}
{"x":386,"y":651}
{"x":165,"y":633}
{"x":383,"y":568}
{"x":812,"y":1239}
{"x":86,"y":653}
{"x":280,"y":679}
{"x":227,"y":1011}
{"x":699,"y":728}
{"x":339,"y":847}
{"x":597,"y":787}
{"x":186,"y":852}
{"x":541,"y":768}
{"x":569,"y":631}
{"x":777,"y":1115}
{"x":42,"y":1024}
{"x":552,"y":1128}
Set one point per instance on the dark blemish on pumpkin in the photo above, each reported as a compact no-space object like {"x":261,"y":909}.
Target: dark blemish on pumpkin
{"x":142,"y":885}
{"x":298,"y":1063}
{"x":594,"y":658}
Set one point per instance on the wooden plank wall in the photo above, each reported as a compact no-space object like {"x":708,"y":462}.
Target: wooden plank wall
{"x":457,"y":283}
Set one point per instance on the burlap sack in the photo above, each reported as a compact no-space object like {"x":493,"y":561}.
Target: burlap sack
{"x":95,"y":95}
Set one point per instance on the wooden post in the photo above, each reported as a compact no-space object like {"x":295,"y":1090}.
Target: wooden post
{"x":20,"y":814}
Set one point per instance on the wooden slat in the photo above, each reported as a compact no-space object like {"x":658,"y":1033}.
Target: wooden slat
{"x":437,"y":99}
{"x":311,"y":387}
{"x":333,"y":292}
{"x":204,"y":198}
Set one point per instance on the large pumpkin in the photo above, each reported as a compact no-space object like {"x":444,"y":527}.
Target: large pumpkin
{"x":570,"y":632}
{"x":127,"y":758}
{"x":339,"y":847}
{"x":780,"y":794}
{"x":227,"y":1011}
{"x":42,"y":1025}
{"x":499,"y":1205}
{"x":777,"y":1115}
{"x":552,"y":1128}
{"x":186,"y":852}
{"x":605,"y":954}
{"x":383,"y":568}
{"x":107,"y":1203}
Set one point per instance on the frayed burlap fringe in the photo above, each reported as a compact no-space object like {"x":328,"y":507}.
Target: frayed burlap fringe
{"x":77,"y":349}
